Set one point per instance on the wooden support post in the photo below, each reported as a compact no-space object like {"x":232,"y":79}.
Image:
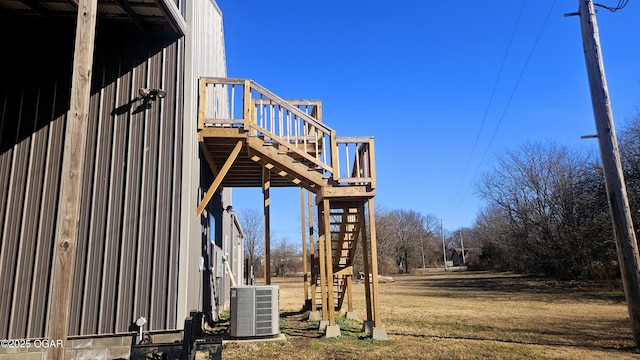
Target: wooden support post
{"x":266,"y":186}
{"x":333,"y":147}
{"x":374,"y":265}
{"x":219,"y":177}
{"x":246,"y":105}
{"x":623,"y":230}
{"x":312,"y":251}
{"x":329,"y":261}
{"x":349,"y":291}
{"x":304,"y":249}
{"x":202,"y":105}
{"x":365,"y":263}
{"x":321,"y":258}
{"x":72,"y":170}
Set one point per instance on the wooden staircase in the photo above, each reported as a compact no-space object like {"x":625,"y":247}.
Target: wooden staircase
{"x":252,"y":138}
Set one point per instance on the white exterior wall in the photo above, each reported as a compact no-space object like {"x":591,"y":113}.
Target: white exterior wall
{"x":204,"y":56}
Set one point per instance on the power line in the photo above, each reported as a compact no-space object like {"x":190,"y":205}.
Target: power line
{"x":515,"y":88}
{"x":493,"y":92}
{"x":620,"y":6}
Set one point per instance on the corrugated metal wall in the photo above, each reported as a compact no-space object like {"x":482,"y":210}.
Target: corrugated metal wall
{"x":32,"y":116}
{"x":127,"y":256}
{"x":204,"y":56}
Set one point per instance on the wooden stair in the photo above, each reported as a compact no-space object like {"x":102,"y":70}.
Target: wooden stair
{"x":247,"y":134}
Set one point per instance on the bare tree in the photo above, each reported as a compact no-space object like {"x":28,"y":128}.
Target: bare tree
{"x":629,"y":140}
{"x":404,"y":239}
{"x":251,"y":220}
{"x":286,"y":259}
{"x":550,"y":204}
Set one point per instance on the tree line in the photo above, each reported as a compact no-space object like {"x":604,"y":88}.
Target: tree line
{"x":545,"y":212}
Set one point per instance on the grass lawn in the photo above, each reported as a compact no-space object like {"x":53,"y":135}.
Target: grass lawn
{"x":463,"y":315}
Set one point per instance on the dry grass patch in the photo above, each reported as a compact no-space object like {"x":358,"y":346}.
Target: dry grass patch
{"x":464,"y":315}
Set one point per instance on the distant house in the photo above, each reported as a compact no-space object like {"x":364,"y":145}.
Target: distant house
{"x":458,"y":260}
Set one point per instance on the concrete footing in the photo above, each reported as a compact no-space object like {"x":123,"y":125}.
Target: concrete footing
{"x":332,"y":331}
{"x":376,"y":333}
{"x":314,"y":316}
{"x":379,"y":333}
{"x":351,"y":315}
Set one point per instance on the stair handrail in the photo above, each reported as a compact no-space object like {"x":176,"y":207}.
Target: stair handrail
{"x":222,"y":112}
{"x":278,"y":100}
{"x":219,"y":108}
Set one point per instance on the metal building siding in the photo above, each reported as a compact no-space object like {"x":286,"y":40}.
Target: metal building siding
{"x":126,"y":264}
{"x":176,"y":74}
{"x":204,"y":56}
{"x":31,"y":122}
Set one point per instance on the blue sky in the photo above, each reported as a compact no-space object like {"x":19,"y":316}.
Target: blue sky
{"x":429,"y":80}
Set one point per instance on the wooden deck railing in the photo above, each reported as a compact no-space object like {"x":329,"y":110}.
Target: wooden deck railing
{"x":294,"y":125}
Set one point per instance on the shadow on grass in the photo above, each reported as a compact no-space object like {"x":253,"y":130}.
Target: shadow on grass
{"x":469,"y":284}
{"x":629,"y":349}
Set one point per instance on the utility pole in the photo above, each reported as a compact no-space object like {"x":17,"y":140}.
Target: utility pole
{"x":462,"y":245}
{"x":444,"y":251}
{"x":422,"y":245}
{"x":626,"y":245}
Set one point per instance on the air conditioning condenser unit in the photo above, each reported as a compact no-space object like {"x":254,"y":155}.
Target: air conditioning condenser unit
{"x":254,"y":310}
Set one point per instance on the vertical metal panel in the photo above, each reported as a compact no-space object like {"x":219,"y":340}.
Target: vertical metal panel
{"x":204,"y":56}
{"x":115,"y":218}
{"x":108,"y":198}
{"x":131,"y":224}
{"x":28,"y":224}
{"x":176,"y":77}
{"x":48,"y":211}
{"x":146,"y":245}
{"x":162,"y":222}
{"x":13,"y":217}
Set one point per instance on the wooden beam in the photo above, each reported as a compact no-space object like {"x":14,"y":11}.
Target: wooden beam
{"x":312,"y":251}
{"x":322,"y":267}
{"x":266,"y":187}
{"x":374,"y":265}
{"x":137,"y":20}
{"x":304,"y":248}
{"x":329,"y":260}
{"x":219,"y":177}
{"x":209,"y":158}
{"x":365,"y":265}
{"x":202,"y":105}
{"x":72,"y":170}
